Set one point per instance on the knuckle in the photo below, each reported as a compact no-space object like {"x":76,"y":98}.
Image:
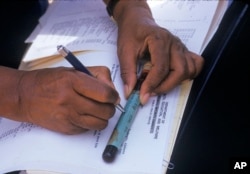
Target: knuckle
{"x":110,"y":111}
{"x":106,"y":111}
{"x":104,"y":70}
{"x":150,"y":85}
{"x":69,"y":131}
{"x":155,"y":39}
{"x":73,"y":130}
{"x":192,"y":72}
{"x":200,"y":62}
{"x":103,"y":125}
{"x":109,"y":95}
{"x":92,"y":124}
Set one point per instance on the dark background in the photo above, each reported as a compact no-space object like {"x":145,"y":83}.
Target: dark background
{"x":216,"y":130}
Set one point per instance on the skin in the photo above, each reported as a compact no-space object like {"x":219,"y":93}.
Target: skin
{"x":138,"y":34}
{"x":60,"y":99}
{"x":71,"y":102}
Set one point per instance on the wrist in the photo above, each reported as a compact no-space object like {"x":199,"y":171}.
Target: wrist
{"x":10,"y":100}
{"x":119,"y":10}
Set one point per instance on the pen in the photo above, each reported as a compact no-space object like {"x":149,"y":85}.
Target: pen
{"x":125,"y":121}
{"x":70,"y":57}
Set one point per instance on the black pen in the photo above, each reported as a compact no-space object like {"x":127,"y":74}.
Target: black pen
{"x":71,"y":58}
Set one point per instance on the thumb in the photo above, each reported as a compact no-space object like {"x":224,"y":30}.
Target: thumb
{"x":128,"y":67}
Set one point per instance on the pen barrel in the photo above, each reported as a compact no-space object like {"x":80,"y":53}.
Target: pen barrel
{"x":125,"y":121}
{"x":76,"y":63}
{"x":146,"y":68}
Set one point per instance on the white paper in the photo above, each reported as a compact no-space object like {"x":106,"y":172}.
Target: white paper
{"x":94,"y":30}
{"x":30,"y":147}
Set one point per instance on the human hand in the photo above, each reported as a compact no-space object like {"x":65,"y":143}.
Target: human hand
{"x":138,"y":34}
{"x":66,"y":100}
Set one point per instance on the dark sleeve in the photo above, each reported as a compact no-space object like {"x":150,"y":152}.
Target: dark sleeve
{"x":18,"y":19}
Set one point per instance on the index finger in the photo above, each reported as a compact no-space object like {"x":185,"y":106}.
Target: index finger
{"x":94,"y":89}
{"x":160,"y":66}
{"x":128,"y":67}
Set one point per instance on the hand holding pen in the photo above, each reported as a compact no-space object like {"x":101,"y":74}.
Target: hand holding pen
{"x":70,"y":57}
{"x":66,"y":100}
{"x":62,"y":99}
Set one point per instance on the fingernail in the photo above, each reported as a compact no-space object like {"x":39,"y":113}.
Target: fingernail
{"x":127,"y":90}
{"x":144,"y":99}
{"x":118,"y":101}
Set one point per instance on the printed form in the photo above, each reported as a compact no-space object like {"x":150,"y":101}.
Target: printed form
{"x":93,"y":29}
{"x":37,"y":148}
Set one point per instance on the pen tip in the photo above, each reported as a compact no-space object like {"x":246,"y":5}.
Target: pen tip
{"x":59,"y":46}
{"x":120,"y":108}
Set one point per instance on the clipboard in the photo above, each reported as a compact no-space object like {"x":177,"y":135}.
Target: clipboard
{"x":222,"y":40}
{"x":235,"y":21}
